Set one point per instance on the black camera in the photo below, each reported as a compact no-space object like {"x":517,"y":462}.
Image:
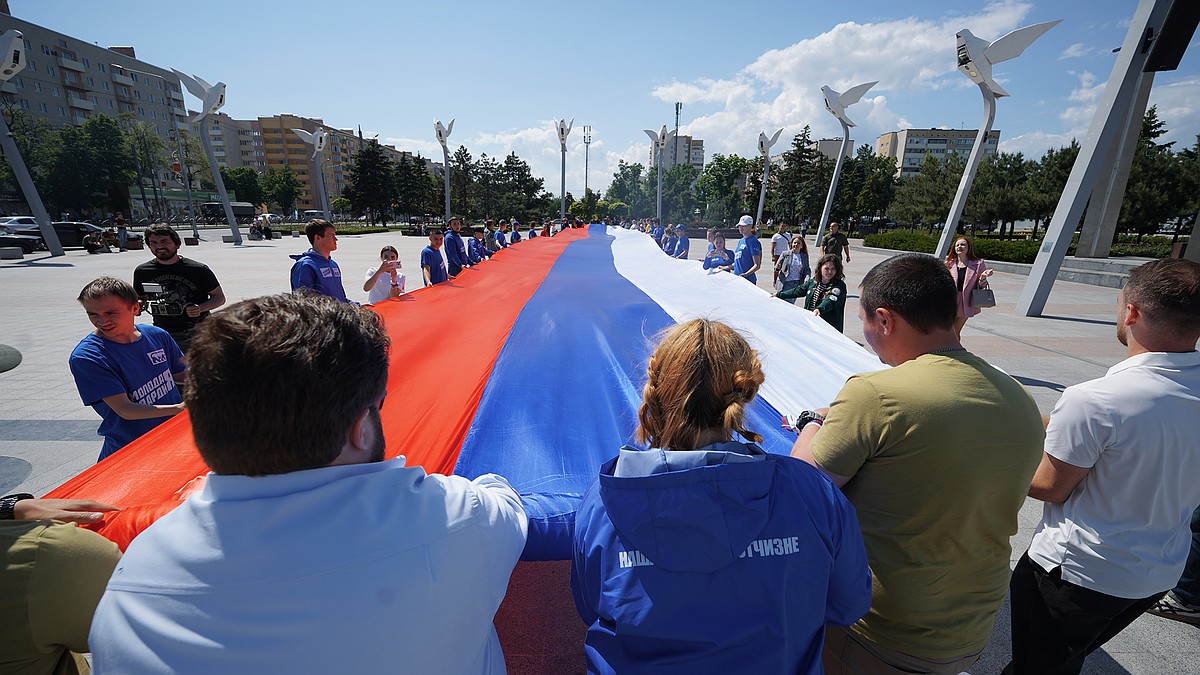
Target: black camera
{"x":156,"y":305}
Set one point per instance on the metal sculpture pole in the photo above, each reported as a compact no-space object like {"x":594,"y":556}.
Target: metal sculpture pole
{"x":836,"y":104}
{"x":1149,"y":19}
{"x":587,"y":147}
{"x":564,"y":129}
{"x":213,"y":98}
{"x":976,"y":57}
{"x":13,"y":45}
{"x":443,"y":135}
{"x":659,"y":140}
{"x":764,"y":149}
{"x":317,"y":140}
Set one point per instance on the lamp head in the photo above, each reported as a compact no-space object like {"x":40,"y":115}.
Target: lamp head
{"x":13,"y":45}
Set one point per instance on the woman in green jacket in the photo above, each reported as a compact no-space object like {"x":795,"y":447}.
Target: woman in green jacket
{"x":825,"y":294}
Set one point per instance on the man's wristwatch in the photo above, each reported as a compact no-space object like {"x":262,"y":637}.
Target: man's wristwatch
{"x":809,"y":416}
{"x":8,"y":502}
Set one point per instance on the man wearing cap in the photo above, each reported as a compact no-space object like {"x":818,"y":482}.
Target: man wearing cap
{"x":680,"y":250}
{"x":516,"y":233}
{"x":747,"y":258}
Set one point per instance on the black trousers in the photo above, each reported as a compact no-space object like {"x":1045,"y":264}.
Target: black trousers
{"x":1056,"y":624}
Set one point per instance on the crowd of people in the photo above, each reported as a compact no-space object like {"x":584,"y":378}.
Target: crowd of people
{"x":881,"y":545}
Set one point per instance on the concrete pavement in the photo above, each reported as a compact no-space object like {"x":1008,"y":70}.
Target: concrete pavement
{"x":47,"y":436}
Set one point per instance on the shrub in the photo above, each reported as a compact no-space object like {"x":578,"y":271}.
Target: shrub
{"x":902,"y":241}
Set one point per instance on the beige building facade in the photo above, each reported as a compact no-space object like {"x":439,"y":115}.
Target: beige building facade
{"x":910,"y":147}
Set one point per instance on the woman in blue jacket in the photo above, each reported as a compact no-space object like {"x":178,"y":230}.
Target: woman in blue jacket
{"x":718,"y":257}
{"x":704,"y":553}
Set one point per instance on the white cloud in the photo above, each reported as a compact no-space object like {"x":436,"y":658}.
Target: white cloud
{"x":781,"y":88}
{"x":1076,"y":51}
{"x":1178,"y":104}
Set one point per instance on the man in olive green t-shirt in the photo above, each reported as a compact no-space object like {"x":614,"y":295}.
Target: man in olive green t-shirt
{"x":936,"y":455}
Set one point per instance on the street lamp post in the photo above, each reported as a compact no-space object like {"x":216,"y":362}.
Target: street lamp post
{"x":213,"y":98}
{"x":976,"y":57}
{"x":183,"y":171}
{"x":564,"y":129}
{"x":764,"y":149}
{"x":317,"y":140}
{"x":836,"y":104}
{"x":659,"y":140}
{"x":443,"y":135}
{"x":587,"y":146}
{"x":12,"y":43}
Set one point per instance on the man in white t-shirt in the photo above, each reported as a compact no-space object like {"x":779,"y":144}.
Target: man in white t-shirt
{"x":1119,"y":481}
{"x":780,"y":242}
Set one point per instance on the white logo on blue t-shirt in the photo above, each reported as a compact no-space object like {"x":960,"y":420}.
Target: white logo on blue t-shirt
{"x":158,"y":356}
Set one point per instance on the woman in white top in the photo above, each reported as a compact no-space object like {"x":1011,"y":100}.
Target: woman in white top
{"x":384,"y":281}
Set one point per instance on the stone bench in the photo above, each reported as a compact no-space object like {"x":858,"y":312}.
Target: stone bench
{"x":228,"y":238}
{"x":11,"y":253}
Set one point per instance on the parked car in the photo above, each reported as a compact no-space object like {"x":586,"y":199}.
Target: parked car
{"x":71,"y":234}
{"x":10,"y":237}
{"x":19,"y":222}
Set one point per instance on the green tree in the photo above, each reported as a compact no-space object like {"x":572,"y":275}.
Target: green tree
{"x":720,"y":189}
{"x":372,"y":187}
{"x":1000,"y":193}
{"x":114,"y":159}
{"x":879,"y":186}
{"x":924,"y":199}
{"x":36,"y":141}
{"x":629,"y":187}
{"x":244,"y":182}
{"x":1154,"y":193}
{"x":679,"y":194}
{"x":73,"y":178}
{"x":281,"y":187}
{"x":461,"y":176}
{"x":414,"y":187}
{"x":1048,"y":180}
{"x":340,"y":205}
{"x":523,"y":192}
{"x":149,"y":155}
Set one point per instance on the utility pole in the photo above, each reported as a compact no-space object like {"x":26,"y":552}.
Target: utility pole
{"x":587,"y":143}
{"x":678,"y":107}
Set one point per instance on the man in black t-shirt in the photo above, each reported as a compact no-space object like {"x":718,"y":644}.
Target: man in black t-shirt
{"x":188,"y":287}
{"x":835,"y":243}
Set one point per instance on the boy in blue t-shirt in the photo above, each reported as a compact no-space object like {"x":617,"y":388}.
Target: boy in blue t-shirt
{"x":126,"y":372}
{"x":682,"y":245}
{"x":433,"y":266}
{"x":747,"y":258}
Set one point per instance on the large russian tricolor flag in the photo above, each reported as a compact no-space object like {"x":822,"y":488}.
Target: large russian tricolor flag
{"x":530,"y":366}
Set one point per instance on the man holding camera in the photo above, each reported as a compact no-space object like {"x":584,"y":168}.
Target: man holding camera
{"x":189,"y":289}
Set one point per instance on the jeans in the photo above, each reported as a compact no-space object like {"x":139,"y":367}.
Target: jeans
{"x":1187,"y":590}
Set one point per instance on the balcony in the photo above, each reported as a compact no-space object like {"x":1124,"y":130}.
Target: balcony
{"x":122,"y":79}
{"x":70,"y":64}
{"x":182,"y":112}
{"x":9,"y":87}
{"x":78,"y":119}
{"x":81,"y":103}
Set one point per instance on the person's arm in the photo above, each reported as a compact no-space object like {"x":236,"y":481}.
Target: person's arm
{"x":802,"y":450}
{"x":304,"y":276}
{"x":425,"y":274}
{"x":128,"y":410}
{"x":216,"y":298}
{"x":374,"y":277}
{"x":796,"y":291}
{"x":835,"y":297}
{"x":847,"y":247}
{"x":73,"y":568}
{"x":1055,"y":480}
{"x":984,"y":273}
{"x":66,"y":510}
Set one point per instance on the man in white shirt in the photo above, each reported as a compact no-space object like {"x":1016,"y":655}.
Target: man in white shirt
{"x":1119,"y":481}
{"x":780,"y":243}
{"x":305,"y":551}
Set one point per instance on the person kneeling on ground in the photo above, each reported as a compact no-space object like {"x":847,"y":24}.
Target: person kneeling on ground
{"x":703,"y":553}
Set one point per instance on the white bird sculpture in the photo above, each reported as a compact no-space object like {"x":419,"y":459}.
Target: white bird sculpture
{"x":212,"y":95}
{"x":976,"y":56}
{"x":564,"y":128}
{"x":764,"y":143}
{"x":837,"y":103}
{"x":443,"y":132}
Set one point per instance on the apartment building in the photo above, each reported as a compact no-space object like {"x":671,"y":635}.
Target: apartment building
{"x":911,"y":146}
{"x":680,"y":150}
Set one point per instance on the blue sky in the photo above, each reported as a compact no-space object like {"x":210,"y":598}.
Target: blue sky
{"x":505,"y":71}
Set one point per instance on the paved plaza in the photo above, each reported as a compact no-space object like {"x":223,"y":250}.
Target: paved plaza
{"x":47,"y":436}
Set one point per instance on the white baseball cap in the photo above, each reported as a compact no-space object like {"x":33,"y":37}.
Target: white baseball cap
{"x":745,"y":220}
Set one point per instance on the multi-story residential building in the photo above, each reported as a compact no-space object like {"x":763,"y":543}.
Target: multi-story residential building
{"x":680,"y":150}
{"x":911,"y":146}
{"x":830,"y":146}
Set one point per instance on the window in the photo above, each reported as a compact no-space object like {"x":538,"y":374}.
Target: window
{"x":49,"y":70}
{"x":90,"y":81}
{"x":32,"y":66}
{"x":37,"y":86}
{"x":62,"y":112}
{"x":54,"y":91}
{"x":110,"y":104}
{"x":158,"y":83}
{"x":28,"y":45}
{"x":24,"y":104}
{"x":141,"y":111}
{"x":45,"y":50}
{"x":87,"y":64}
{"x":105,"y":85}
{"x":95,"y":100}
{"x":134,"y":77}
{"x":101,"y":68}
{"x":137,"y":94}
{"x":62,"y":43}
{"x":42,"y":108}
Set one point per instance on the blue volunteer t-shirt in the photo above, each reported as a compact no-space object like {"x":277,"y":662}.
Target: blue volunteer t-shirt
{"x":432,"y":258}
{"x":143,"y":369}
{"x":743,"y":257}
